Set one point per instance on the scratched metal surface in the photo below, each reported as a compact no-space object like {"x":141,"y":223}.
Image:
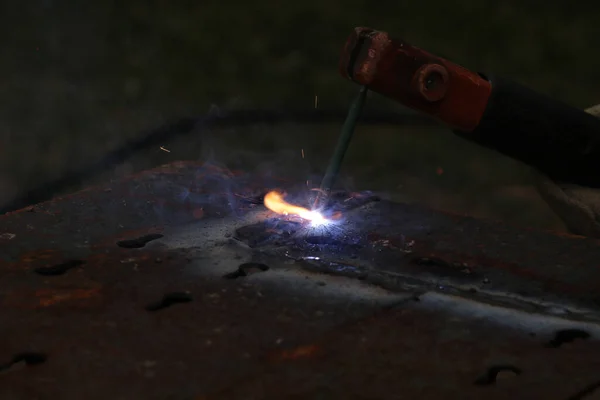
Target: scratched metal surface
{"x":174,"y":284}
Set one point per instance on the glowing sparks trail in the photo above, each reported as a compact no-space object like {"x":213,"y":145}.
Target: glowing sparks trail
{"x":274,"y":201}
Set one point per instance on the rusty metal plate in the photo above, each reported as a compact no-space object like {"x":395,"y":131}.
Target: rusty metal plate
{"x":177,"y":284}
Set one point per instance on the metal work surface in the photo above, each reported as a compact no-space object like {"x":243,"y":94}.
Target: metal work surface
{"x":178,"y":284}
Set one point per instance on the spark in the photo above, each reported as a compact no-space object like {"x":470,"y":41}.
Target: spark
{"x":163,"y":149}
{"x":302,"y":152}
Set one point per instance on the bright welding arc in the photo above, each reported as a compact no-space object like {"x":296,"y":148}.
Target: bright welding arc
{"x":275,"y":202}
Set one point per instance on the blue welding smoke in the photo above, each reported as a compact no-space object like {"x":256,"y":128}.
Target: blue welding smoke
{"x":193,"y":125}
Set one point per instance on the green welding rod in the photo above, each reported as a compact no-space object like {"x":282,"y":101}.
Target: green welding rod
{"x":340,"y":149}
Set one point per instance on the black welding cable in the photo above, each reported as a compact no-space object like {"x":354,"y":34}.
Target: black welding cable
{"x":189,"y":125}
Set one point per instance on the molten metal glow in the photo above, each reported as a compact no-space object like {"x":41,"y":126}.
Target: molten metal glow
{"x":274,"y":201}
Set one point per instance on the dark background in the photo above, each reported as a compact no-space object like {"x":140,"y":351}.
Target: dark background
{"x":78,"y":78}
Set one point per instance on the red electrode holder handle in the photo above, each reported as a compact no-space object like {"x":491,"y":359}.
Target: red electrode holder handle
{"x":559,"y":140}
{"x":415,"y":78}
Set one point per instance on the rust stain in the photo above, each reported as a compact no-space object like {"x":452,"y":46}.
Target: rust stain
{"x":172,"y":168}
{"x":49,"y":297}
{"x":38,"y":257}
{"x":43,"y":298}
{"x":198,"y":213}
{"x":301,"y":352}
{"x":554,"y":232}
{"x":49,"y":254}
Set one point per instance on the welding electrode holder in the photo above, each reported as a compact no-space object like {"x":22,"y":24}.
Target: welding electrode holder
{"x":559,"y":140}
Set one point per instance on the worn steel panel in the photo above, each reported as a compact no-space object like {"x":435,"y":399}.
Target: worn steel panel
{"x":177,"y":284}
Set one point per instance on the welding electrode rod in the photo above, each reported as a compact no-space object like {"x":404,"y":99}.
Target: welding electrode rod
{"x":342,"y":145}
